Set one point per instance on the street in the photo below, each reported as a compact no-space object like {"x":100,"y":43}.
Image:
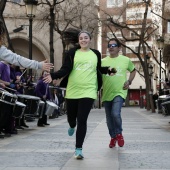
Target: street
{"x":146,"y":134}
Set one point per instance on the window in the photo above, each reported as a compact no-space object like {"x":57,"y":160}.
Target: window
{"x":135,"y":1}
{"x":133,"y":35}
{"x":117,"y":34}
{"x":168,"y":27}
{"x":134,"y":15}
{"x":117,"y":18}
{"x":96,"y":2}
{"x":17,"y":1}
{"x":141,"y":49}
{"x":114,"y":3}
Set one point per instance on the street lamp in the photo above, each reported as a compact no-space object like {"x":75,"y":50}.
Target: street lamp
{"x":31,"y":6}
{"x":160,"y":44}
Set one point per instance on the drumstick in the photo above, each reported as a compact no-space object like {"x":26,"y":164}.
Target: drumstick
{"x":22,"y":73}
{"x":9,"y":88}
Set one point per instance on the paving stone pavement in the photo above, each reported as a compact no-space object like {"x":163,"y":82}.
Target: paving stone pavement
{"x":147,"y":144}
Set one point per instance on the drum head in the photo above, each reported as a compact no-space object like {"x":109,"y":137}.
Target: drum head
{"x":51,"y":104}
{"x":28,"y":97}
{"x":162,"y":97}
{"x":20,"y":104}
{"x":3,"y":90}
{"x":3,"y":101}
{"x":41,"y":102}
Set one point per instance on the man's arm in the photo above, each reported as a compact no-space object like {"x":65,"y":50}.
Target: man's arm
{"x":129,"y":81}
{"x":131,"y":76}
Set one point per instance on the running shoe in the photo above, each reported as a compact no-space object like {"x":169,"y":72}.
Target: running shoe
{"x":112,"y":143}
{"x":78,"y":153}
{"x":120,"y":140}
{"x":71,"y":131}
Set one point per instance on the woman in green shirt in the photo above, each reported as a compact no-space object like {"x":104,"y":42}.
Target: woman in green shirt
{"x":82,"y":71}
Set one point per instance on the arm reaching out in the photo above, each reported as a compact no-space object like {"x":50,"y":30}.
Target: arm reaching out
{"x":47,"y":66}
{"x":15,"y":59}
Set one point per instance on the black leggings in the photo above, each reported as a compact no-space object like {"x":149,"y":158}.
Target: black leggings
{"x":77,"y":113}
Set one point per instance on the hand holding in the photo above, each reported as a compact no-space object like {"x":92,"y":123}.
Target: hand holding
{"x":2,"y":85}
{"x":47,"y":78}
{"x":47,"y":66}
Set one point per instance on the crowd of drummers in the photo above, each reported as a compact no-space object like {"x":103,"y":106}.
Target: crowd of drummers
{"x":23,"y":99}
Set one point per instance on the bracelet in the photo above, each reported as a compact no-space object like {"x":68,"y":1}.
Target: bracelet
{"x":129,"y":82}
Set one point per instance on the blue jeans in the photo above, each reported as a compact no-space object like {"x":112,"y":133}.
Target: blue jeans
{"x":113,"y":115}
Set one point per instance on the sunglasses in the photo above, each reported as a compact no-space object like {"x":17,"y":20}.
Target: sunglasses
{"x":112,"y":45}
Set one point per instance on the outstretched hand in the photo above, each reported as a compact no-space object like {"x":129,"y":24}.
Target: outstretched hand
{"x":47,"y":66}
{"x":47,"y":78}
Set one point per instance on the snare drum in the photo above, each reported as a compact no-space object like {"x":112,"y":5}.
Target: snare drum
{"x":160,"y":100}
{"x":8,"y":97}
{"x":18,"y":109}
{"x":31,"y":102}
{"x":50,"y":107}
{"x":6,"y":109}
{"x":40,"y":109}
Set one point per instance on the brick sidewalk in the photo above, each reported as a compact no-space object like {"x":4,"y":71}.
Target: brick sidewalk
{"x":147,"y":145}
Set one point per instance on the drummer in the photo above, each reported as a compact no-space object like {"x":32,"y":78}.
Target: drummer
{"x":42,"y":90}
{"x":9,"y":127}
{"x":5,"y":74}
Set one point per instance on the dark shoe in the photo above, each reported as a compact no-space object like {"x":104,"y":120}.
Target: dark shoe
{"x":112,"y":143}
{"x":24,"y":125}
{"x":52,"y":117}
{"x":7,"y":134}
{"x":30,"y":119}
{"x":46,"y":124}
{"x":120,"y":140}
{"x":41,"y":125}
{"x":1,"y":135}
{"x":19,"y":127}
{"x":14,"y":132}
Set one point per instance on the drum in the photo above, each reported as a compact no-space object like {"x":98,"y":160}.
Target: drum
{"x":18,"y":109}
{"x":6,"y":109}
{"x":40,"y":108}
{"x":160,"y":100}
{"x":31,"y":102}
{"x":8,"y":97}
{"x":166,"y":108}
{"x":50,"y":107}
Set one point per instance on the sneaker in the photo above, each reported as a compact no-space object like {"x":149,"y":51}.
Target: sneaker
{"x":112,"y":143}
{"x":120,"y":140}
{"x":71,"y":131}
{"x":78,"y":153}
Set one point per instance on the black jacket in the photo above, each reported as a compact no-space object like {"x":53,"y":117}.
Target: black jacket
{"x":68,"y":66}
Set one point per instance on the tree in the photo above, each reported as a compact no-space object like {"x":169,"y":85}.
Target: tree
{"x":2,"y":7}
{"x":50,"y":17}
{"x":73,"y":16}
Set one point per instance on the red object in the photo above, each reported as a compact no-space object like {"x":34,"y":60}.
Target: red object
{"x":112,"y":143}
{"x":120,"y":140}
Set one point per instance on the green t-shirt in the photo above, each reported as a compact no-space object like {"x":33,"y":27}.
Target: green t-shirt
{"x":82,"y":80}
{"x":113,"y":85}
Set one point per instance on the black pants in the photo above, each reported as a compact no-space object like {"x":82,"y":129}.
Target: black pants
{"x":77,"y":113}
